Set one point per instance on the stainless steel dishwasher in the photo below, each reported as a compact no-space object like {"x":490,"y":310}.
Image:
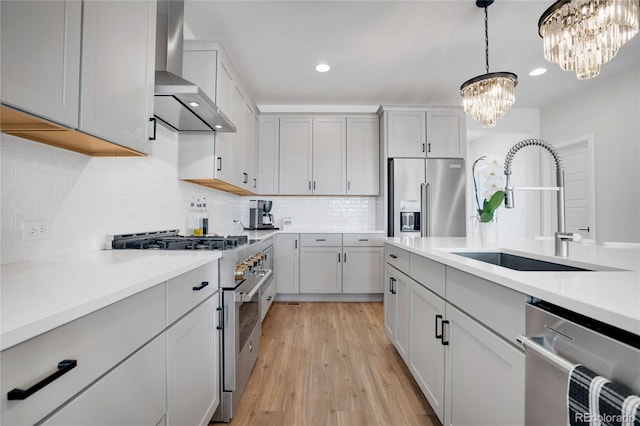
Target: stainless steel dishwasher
{"x":556,"y":340}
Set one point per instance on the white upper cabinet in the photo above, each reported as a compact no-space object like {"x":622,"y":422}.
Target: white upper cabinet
{"x":406,"y":134}
{"x":446,"y":134}
{"x":118,"y":69}
{"x":430,"y":133}
{"x":363,"y":151}
{"x":329,"y":163}
{"x":269,"y":141}
{"x":41,"y":58}
{"x":295,"y":155}
{"x":326,"y":155}
{"x":226,"y":161}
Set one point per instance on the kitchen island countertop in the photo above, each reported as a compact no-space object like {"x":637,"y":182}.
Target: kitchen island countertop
{"x":610,"y":296}
{"x":40,"y":295}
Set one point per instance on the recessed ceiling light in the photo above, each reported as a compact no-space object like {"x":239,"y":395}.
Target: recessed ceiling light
{"x":322,"y":67}
{"x":217,"y":126}
{"x":537,"y":71}
{"x":194,"y":104}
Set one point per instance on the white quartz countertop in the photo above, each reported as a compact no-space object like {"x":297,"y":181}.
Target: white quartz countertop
{"x":327,"y":231}
{"x":40,"y":295}
{"x":610,"y":296}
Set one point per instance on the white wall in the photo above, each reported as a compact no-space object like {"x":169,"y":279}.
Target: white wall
{"x":610,"y":111}
{"x":86,"y":198}
{"x":517,"y":124}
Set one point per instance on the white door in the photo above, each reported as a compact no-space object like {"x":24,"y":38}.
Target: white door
{"x":287,"y":265}
{"x":329,"y":156}
{"x":362,"y":269}
{"x":427,"y":351}
{"x":321,"y":270}
{"x":406,"y":134}
{"x":577,"y":157}
{"x":363,"y":149}
{"x":295,"y":156}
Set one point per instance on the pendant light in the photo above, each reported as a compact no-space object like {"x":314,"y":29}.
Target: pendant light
{"x":487,"y":96}
{"x":582,"y":35}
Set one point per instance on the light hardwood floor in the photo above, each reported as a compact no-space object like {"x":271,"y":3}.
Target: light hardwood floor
{"x":330,"y":364}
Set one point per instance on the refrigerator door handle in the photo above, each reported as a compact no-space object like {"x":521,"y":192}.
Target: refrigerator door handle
{"x":425,"y":207}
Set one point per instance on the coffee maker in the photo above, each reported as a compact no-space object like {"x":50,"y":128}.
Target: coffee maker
{"x":260,"y":216}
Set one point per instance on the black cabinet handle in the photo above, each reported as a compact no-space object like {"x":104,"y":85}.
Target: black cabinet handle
{"x":393,"y":256}
{"x":438,"y":336}
{"x":363,"y":239}
{"x":255,"y":183}
{"x":201,"y":286}
{"x":423,"y":146}
{"x":220,"y":318}
{"x":245,"y":177}
{"x":429,"y":147}
{"x":321,"y":239}
{"x":269,"y":298}
{"x":345,"y":257}
{"x":584,"y":229}
{"x":219,"y":164}
{"x":392,"y":285}
{"x":444,"y":342}
{"x":339,"y":257}
{"x":155,"y":127}
{"x":63,"y":368}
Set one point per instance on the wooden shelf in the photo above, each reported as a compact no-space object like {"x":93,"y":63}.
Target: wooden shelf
{"x":27,"y":126}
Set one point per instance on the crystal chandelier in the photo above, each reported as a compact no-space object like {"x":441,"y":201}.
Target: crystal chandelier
{"x":581,"y":35}
{"x":487,"y":96}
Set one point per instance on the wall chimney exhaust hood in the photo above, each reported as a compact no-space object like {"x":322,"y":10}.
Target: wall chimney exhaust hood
{"x":179,"y":103}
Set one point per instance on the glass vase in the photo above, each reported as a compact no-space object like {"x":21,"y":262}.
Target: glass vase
{"x":489,"y":233}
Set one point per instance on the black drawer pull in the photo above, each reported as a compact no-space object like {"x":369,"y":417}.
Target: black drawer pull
{"x":439,"y":336}
{"x":63,"y":368}
{"x":201,"y":286}
{"x":444,"y":342}
{"x":393,"y":256}
{"x":363,"y":239}
{"x":321,"y":239}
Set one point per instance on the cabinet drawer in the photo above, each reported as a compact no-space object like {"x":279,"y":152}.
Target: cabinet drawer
{"x":321,"y":240}
{"x":97,"y":342}
{"x":397,"y":258}
{"x":362,"y":240}
{"x":182,"y":295}
{"x":499,"y":308}
{"x":428,"y":273}
{"x":119,"y":389}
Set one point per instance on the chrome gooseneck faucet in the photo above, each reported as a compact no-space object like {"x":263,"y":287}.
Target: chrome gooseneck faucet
{"x":562,"y":237}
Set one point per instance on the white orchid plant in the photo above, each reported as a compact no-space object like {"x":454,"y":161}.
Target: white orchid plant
{"x":491,"y":171}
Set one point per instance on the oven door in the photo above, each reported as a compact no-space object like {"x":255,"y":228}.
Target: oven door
{"x":242,"y":330}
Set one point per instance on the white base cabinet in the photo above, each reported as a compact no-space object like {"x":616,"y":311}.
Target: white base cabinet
{"x":287,"y":263}
{"x":397,"y":315}
{"x":132,"y":394}
{"x":484,"y":375}
{"x":341,"y":263}
{"x":463,"y":362}
{"x":427,"y":357}
{"x":192,"y":370}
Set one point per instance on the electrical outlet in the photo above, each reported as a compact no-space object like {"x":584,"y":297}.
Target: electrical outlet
{"x":35,"y":230}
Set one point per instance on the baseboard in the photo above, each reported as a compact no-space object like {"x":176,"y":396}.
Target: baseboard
{"x":329,"y":297}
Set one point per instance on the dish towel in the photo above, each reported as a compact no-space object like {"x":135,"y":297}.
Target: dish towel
{"x":594,"y":400}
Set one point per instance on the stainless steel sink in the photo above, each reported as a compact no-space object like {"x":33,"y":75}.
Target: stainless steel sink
{"x":518,"y":263}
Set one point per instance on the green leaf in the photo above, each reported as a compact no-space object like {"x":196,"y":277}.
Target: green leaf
{"x":486,"y":216}
{"x":495,"y":201}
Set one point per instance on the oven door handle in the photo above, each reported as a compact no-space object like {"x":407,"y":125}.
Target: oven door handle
{"x":530,"y":343}
{"x":246,"y":297}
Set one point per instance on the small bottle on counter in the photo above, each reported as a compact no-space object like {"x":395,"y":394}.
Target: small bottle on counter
{"x":197,"y":230}
{"x":191,"y":217}
{"x":204,"y":220}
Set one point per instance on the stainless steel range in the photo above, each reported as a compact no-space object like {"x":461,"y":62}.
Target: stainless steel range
{"x":245,"y":268}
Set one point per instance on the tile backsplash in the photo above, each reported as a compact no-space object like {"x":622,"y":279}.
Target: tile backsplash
{"x":322,"y":213}
{"x":83,"y":199}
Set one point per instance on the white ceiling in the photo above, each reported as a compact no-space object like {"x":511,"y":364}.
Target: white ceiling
{"x":384,"y":52}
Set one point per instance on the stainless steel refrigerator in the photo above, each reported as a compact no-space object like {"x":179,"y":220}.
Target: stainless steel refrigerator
{"x":426,"y":198}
